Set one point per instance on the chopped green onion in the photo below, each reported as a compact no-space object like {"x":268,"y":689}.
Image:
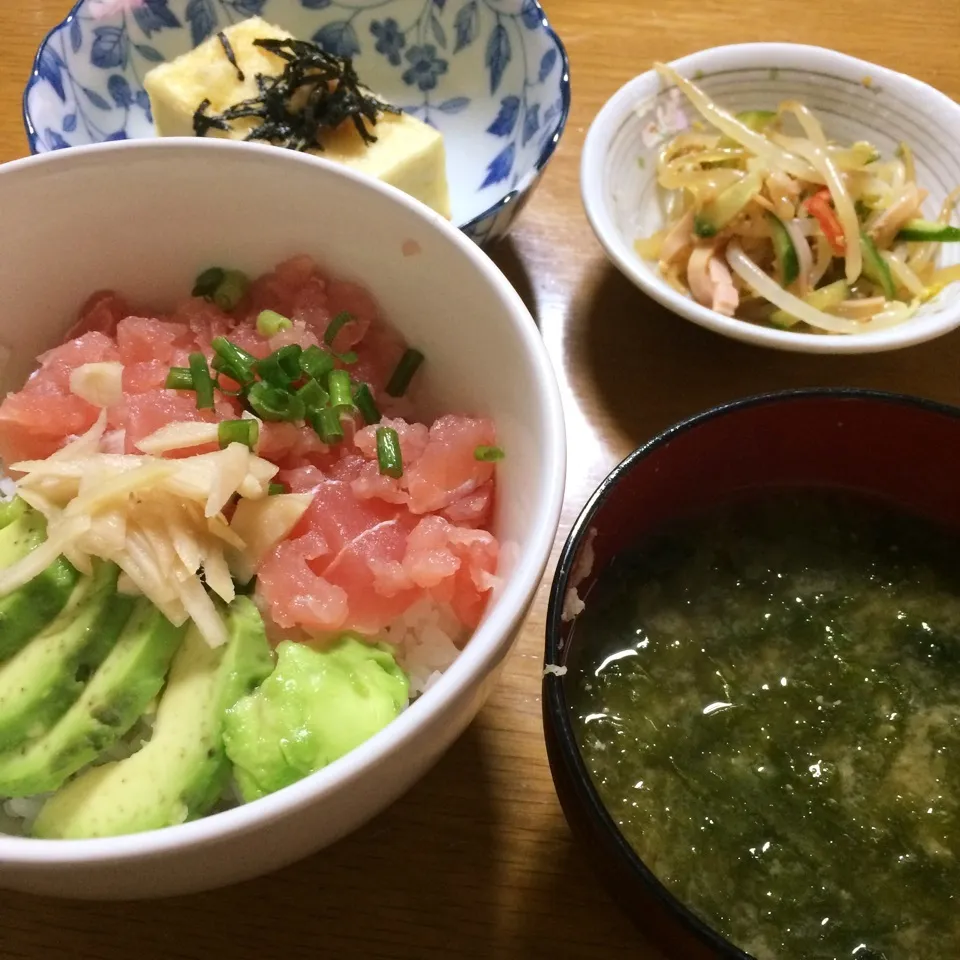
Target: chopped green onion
{"x":179,"y":378}
{"x":348,"y":357}
{"x":274,"y":488}
{"x":388,"y":452}
{"x":326,"y":423}
{"x":273,"y":403}
{"x":270,"y":323}
{"x":314,"y":397}
{"x":363,"y":398}
{"x":335,"y":326}
{"x":316,"y":363}
{"x":232,"y":360}
{"x":406,"y":368}
{"x":488,"y":454}
{"x":202,"y":381}
{"x":230,"y":290}
{"x":207,"y":282}
{"x":282,"y":367}
{"x":246,"y":432}
{"x":340,"y":396}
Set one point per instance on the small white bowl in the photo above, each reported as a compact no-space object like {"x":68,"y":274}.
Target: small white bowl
{"x":144,"y":217}
{"x":855,"y":100}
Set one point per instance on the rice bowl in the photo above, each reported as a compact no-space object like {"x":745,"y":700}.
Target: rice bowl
{"x":416,"y":291}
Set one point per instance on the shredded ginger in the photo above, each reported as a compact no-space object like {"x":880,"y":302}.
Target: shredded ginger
{"x":161,"y":521}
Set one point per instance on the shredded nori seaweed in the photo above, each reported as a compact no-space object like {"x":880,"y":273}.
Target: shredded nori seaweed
{"x":203,"y":123}
{"x":316,"y":91}
{"x":231,"y":56}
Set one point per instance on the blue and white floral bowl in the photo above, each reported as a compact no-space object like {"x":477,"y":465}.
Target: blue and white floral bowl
{"x":491,"y":75}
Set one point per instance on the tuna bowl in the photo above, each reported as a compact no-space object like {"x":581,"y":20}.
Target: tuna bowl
{"x":161,"y":210}
{"x":491,"y":75}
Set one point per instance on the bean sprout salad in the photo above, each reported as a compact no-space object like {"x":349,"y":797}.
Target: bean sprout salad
{"x":771,"y":222}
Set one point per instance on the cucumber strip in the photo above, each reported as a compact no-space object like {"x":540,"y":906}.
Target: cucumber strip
{"x":825,"y":298}
{"x":786,"y":253}
{"x":717,"y":213}
{"x":929,"y":230}
{"x":875,"y":267}
{"x":756,"y":120}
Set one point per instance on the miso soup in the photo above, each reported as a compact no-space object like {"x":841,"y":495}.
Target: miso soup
{"x":768,"y":700}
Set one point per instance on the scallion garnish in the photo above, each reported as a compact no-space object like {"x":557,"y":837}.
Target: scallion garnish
{"x":406,"y":368}
{"x":339,"y":385}
{"x":202,"y":381}
{"x":282,"y":367}
{"x":274,"y":488}
{"x":335,"y":326}
{"x":363,"y":398}
{"x":488,"y":454}
{"x":207,"y":282}
{"x":230,"y":290}
{"x":316,"y":363}
{"x":246,"y":432}
{"x":314,"y":397}
{"x":326,"y":423}
{"x":179,"y":378}
{"x":232,"y":360}
{"x":388,"y":452}
{"x":270,"y":323}
{"x":274,"y":403}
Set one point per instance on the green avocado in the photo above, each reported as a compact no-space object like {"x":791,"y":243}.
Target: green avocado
{"x":179,"y":774}
{"x":114,"y":699}
{"x":11,"y":510}
{"x":41,"y":681}
{"x":316,"y":706}
{"x":30,"y":608}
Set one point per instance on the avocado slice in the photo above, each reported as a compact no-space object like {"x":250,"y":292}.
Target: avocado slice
{"x":183,"y":769}
{"x":11,"y":510}
{"x":316,"y":706}
{"x":30,"y":608}
{"x":114,"y":699}
{"x":38,"y":684}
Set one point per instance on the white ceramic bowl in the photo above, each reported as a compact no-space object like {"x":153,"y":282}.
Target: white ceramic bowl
{"x":144,"y":217}
{"x":855,"y":100}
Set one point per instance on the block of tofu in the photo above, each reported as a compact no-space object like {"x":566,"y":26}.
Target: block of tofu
{"x":407,"y":154}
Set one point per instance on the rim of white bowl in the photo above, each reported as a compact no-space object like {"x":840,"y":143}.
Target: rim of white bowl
{"x":485,"y":646}
{"x":495,"y":208}
{"x":619,"y":108}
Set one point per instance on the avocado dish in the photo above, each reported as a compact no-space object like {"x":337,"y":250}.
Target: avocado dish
{"x":113,"y":720}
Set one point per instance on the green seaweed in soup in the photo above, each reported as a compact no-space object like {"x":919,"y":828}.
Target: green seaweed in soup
{"x":768,"y":699}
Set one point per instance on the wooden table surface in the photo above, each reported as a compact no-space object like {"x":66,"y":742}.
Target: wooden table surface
{"x":477,"y":861}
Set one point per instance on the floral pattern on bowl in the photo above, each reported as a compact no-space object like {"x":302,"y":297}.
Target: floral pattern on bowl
{"x":491,"y":75}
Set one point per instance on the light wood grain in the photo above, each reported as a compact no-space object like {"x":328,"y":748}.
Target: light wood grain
{"x":476,"y":861}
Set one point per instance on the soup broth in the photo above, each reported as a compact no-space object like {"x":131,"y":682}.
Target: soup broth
{"x":768,"y":700}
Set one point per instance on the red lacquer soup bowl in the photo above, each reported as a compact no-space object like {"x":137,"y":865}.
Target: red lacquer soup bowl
{"x":900,"y":449}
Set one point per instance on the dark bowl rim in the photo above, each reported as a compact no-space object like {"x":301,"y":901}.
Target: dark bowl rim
{"x":556,"y":709}
{"x":33,"y":138}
